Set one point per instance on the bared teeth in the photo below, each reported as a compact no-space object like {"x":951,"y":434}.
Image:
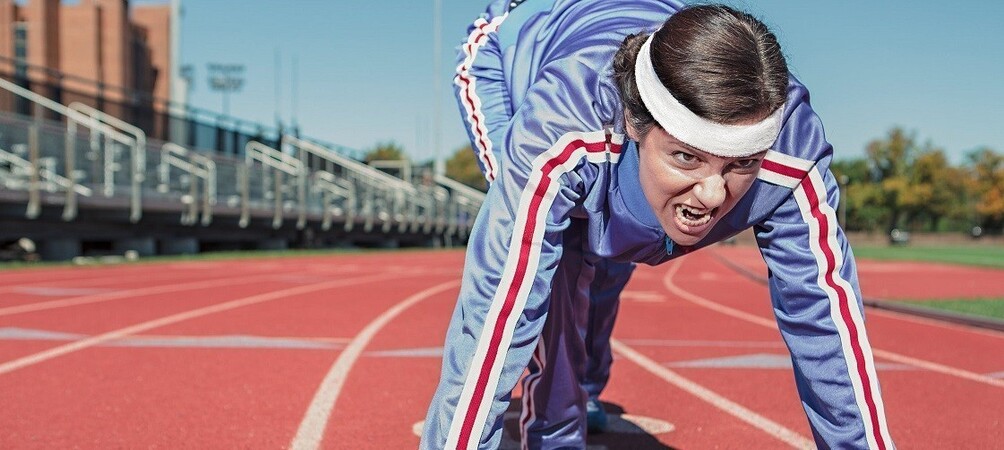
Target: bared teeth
{"x":692,"y":217}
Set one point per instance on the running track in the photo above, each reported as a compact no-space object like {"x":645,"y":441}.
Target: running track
{"x":343,"y":352}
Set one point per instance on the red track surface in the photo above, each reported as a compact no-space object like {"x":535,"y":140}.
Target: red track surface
{"x":233,"y":354}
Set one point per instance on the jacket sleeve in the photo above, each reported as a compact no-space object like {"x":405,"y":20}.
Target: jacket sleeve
{"x":817,"y":302}
{"x":480,"y":87}
{"x":514,"y":250}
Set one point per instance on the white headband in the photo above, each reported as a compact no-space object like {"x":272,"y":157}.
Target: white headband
{"x":712,"y":137}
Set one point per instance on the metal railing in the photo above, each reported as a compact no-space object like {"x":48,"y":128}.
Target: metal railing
{"x":137,"y":162}
{"x":273,"y":164}
{"x":466,"y":203}
{"x":86,"y":151}
{"x":19,"y":168}
{"x":379,"y":197}
{"x":331,"y":188}
{"x":109,"y":147}
{"x":197,"y":167}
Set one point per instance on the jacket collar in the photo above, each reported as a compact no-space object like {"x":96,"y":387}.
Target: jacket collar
{"x":630,"y":186}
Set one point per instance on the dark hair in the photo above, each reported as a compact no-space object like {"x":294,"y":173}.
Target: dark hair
{"x":722,"y":64}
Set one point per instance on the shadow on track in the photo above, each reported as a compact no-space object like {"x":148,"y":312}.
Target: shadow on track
{"x":624,"y":432}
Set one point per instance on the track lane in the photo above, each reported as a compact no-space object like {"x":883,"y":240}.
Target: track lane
{"x":276,"y":401}
{"x":960,"y":351}
{"x":312,"y":429}
{"x":763,"y":405}
{"x":142,"y":276}
{"x":914,"y":398}
{"x":899,"y":280}
{"x":61,"y":350}
{"x":394,"y":379}
{"x":216,"y":398}
{"x":160,"y":398}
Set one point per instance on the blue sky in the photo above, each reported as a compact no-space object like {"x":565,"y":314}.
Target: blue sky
{"x":366,"y":75}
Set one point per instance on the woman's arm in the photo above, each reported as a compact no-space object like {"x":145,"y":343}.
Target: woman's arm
{"x":547,"y":162}
{"x":817,"y":303}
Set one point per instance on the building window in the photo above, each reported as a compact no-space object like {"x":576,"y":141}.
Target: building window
{"x":21,"y":49}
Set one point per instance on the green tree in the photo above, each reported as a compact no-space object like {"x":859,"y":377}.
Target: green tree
{"x":464,"y":168}
{"x":937,"y":192}
{"x":985,"y":170}
{"x":859,"y":195}
{"x":890,"y":159}
{"x":917,"y":185}
{"x":385,"y":151}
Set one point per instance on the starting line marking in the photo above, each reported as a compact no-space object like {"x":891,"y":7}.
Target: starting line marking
{"x":643,"y":296}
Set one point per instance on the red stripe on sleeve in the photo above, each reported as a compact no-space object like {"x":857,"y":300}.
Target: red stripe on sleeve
{"x":844,"y":299}
{"x":782,"y":169}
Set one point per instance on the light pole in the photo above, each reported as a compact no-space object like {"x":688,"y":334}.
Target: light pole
{"x":226,"y":78}
{"x":437,"y":58}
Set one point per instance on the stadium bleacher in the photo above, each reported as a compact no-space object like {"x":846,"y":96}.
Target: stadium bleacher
{"x":77,"y":180}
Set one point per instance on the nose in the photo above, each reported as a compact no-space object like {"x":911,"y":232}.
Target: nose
{"x":711,"y":191}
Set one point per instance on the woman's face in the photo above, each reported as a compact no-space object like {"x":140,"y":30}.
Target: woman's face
{"x":691,"y":190}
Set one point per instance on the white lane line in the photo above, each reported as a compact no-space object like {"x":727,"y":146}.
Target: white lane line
{"x":36,"y":358}
{"x":892,"y":356}
{"x":936,"y":323}
{"x":701,"y":301}
{"x":311,"y":430}
{"x":736,"y":410}
{"x":154,"y":290}
{"x":103,"y":275}
{"x":940,"y":368}
{"x":13,"y":281}
{"x":761,"y":279}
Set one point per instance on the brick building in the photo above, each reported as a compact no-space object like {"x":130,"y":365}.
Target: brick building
{"x":106,"y":53}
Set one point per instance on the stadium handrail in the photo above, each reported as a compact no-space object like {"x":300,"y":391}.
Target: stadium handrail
{"x":75,"y":118}
{"x":207,"y":172}
{"x":403,"y":193}
{"x":139,"y":147}
{"x":305,"y":146}
{"x":332,"y":185}
{"x":50,"y":176}
{"x":270,"y":157}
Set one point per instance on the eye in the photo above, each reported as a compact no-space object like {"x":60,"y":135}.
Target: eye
{"x":684,"y":157}
{"x":745,"y":165}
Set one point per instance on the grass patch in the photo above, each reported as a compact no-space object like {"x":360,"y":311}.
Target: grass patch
{"x":984,"y":256}
{"x":984,"y":307}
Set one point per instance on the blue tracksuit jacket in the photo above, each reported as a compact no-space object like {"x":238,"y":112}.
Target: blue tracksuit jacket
{"x":565,"y":184}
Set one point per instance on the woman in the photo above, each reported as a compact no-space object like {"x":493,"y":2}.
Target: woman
{"x":638,"y":148}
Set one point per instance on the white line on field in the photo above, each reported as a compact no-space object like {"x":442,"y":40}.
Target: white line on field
{"x":924,"y":364}
{"x":36,"y":358}
{"x":736,"y":410}
{"x":311,"y":430}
